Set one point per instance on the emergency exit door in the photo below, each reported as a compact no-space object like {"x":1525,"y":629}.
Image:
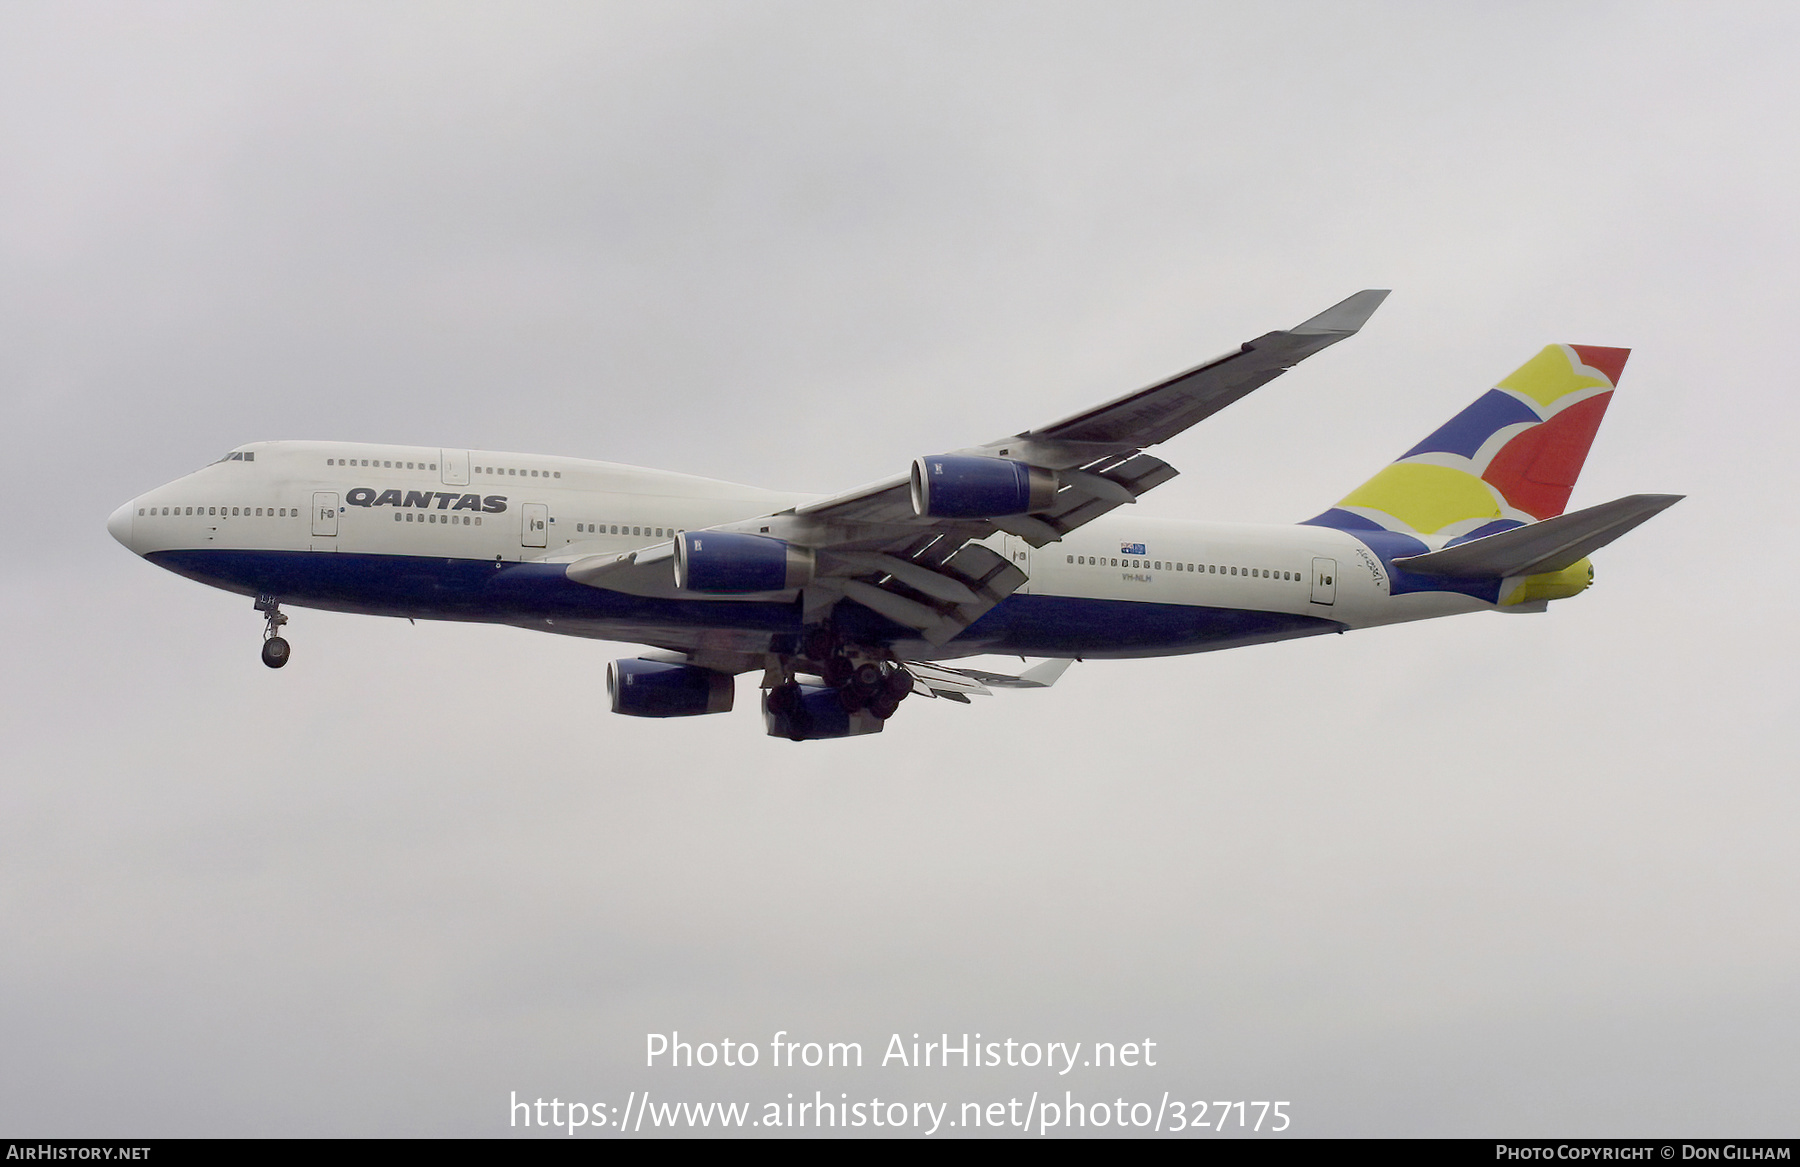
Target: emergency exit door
{"x":536,"y":532}
{"x":1324,"y":581}
{"x":1018,"y":552}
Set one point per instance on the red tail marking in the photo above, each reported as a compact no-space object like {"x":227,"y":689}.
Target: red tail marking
{"x":1537,"y":469}
{"x":1610,"y":361}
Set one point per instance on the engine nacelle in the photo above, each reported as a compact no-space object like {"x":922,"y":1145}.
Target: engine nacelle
{"x":727,"y":563}
{"x":649,"y":688}
{"x":960,"y":486}
{"x":812,"y":713}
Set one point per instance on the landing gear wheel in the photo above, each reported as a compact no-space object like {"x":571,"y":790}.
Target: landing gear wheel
{"x":784,"y":698}
{"x":898,"y":685}
{"x":868,"y":677}
{"x":883,"y":706}
{"x":835,"y":670}
{"x":852,"y":698}
{"x":274,"y":649}
{"x":818,"y":643}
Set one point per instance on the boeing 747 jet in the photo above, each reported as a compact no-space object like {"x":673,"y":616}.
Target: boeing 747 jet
{"x":844,"y":606}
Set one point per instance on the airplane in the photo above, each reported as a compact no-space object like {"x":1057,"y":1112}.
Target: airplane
{"x":848,"y":604}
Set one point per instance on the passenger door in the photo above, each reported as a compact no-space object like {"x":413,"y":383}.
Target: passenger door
{"x":456,"y":467}
{"x":536,"y":531}
{"x":325,"y":513}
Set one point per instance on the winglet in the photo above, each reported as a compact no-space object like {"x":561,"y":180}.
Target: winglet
{"x":1346,"y":316}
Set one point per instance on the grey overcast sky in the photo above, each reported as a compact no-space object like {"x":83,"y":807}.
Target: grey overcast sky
{"x":1482,"y":876}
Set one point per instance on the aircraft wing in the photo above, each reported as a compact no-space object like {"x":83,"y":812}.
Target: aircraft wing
{"x":1098,"y":450}
{"x":932,"y":574}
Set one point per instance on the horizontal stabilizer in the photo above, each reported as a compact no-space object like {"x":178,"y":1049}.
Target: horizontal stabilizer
{"x":1550,"y":545}
{"x":1040,"y":676}
{"x":959,"y":684}
{"x":1346,"y":316}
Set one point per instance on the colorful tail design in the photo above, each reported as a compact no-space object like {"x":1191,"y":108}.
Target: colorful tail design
{"x":1507,"y":460}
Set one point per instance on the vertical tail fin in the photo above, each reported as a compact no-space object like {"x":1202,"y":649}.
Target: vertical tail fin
{"x":1507,"y":460}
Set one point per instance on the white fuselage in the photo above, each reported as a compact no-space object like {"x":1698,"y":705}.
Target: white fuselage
{"x":414,"y":531}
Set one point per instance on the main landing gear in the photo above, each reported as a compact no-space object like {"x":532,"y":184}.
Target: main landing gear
{"x":858,"y":681}
{"x":274,"y":648}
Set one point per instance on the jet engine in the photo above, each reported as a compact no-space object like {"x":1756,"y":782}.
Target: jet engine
{"x":960,"y":486}
{"x":727,"y":563}
{"x":648,"y":688}
{"x":813,"y":712}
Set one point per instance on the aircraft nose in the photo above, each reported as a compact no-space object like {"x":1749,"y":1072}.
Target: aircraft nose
{"x":119,"y":525}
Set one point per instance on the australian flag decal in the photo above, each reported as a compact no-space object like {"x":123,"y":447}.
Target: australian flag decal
{"x":1132,"y":549}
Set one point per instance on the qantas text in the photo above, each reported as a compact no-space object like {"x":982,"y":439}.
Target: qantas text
{"x":447,"y":500}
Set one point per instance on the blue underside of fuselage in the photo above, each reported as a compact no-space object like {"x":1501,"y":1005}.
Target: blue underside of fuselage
{"x":541,"y":595}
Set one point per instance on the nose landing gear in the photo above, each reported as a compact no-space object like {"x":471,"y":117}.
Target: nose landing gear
{"x":274,"y":648}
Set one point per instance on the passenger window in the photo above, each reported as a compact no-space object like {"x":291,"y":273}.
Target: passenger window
{"x":559,"y":473}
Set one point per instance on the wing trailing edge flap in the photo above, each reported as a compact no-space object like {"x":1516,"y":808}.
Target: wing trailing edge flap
{"x":938,"y":590}
{"x":1089,"y":492}
{"x":1550,"y":545}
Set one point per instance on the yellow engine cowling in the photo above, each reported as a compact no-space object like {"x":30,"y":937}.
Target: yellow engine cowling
{"x":1516,"y":590}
